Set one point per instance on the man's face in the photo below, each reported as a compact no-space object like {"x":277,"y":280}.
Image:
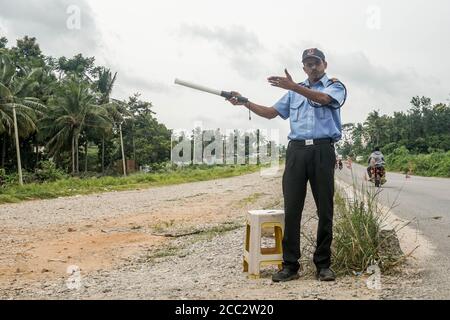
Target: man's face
{"x":314,"y":67}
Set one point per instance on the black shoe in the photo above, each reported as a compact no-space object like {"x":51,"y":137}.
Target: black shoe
{"x":326,"y":274}
{"x":285,"y":274}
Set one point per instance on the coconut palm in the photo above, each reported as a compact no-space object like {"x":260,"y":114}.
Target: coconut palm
{"x":104,"y":85}
{"x":73,"y":110}
{"x":15,"y":92}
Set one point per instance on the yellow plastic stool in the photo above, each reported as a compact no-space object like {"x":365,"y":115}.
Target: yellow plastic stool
{"x":254,"y":255}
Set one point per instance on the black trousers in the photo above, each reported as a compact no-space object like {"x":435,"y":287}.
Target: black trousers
{"x":313,"y":163}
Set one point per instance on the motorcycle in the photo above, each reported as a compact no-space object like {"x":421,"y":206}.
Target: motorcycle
{"x":378,"y":176}
{"x":338,"y":164}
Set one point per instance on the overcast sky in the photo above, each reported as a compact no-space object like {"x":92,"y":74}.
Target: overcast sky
{"x":384,"y":51}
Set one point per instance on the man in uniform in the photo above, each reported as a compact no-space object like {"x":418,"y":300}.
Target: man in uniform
{"x":313,"y":108}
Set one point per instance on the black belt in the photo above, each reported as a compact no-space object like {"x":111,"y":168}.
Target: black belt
{"x":311,"y":142}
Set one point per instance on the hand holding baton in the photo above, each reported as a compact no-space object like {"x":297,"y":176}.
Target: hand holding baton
{"x":226,"y":94}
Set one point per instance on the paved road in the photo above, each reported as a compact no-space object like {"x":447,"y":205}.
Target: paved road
{"x":427,"y":202}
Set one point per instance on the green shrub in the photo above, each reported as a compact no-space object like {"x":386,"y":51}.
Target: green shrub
{"x":357,"y":240}
{"x":2,"y":177}
{"x":13,"y":178}
{"x":47,"y":172}
{"x":436,"y":164}
{"x":75,"y":185}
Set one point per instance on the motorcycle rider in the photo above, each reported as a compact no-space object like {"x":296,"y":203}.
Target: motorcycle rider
{"x":376,"y":159}
{"x":338,"y":163}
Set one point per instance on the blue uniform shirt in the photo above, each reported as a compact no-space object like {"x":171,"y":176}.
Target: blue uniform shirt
{"x":308,"y":122}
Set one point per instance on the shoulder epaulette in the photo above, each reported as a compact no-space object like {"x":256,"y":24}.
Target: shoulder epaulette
{"x":333,"y":80}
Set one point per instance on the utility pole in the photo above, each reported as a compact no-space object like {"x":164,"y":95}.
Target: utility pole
{"x":123,"y":151}
{"x":171,"y":147}
{"x":16,"y":132}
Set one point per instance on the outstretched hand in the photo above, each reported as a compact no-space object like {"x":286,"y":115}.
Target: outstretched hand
{"x":234,"y":99}
{"x":283,"y":82}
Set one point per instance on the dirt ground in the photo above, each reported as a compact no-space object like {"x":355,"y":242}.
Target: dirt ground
{"x":174,"y":242}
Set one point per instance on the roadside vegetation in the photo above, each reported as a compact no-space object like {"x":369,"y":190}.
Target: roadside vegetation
{"x":416,"y":141}
{"x":435,"y":164}
{"x":71,"y":186}
{"x":362,"y":236}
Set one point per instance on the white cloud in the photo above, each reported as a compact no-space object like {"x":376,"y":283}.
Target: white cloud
{"x":47,"y":21}
{"x":236,"y":38}
{"x":237,"y":47}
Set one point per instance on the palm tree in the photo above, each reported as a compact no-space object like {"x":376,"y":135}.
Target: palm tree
{"x":72,"y":111}
{"x":116,"y":109}
{"x":14,"y":93}
{"x":105,"y":83}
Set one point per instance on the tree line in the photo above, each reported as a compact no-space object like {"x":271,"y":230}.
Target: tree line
{"x":423,"y":129}
{"x":64,"y":108}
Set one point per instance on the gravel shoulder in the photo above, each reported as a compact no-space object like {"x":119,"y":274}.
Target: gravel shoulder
{"x":173,"y":242}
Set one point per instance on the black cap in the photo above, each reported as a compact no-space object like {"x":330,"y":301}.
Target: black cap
{"x":313,"y":53}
